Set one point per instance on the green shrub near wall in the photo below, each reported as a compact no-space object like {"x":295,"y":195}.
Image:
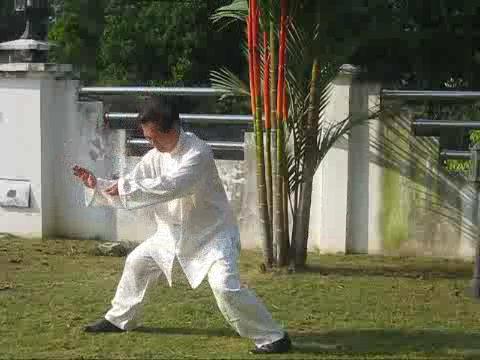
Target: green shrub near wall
{"x":394,"y":216}
{"x":395,"y":210}
{"x":420,"y":213}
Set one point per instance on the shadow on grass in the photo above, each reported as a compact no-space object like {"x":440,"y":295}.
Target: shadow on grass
{"x":359,"y":342}
{"x":387,"y":342}
{"x":387,"y":271}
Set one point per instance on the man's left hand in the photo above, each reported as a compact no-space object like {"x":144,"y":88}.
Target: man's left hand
{"x":112,"y":190}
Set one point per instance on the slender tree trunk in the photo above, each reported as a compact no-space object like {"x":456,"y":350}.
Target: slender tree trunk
{"x":278,"y":201}
{"x":273,"y":111}
{"x":302,"y":220}
{"x":262,"y":192}
{"x":277,"y":219}
{"x":282,"y":239}
{"x":269,"y":173}
{"x":286,"y":229}
{"x":257,"y":114}
{"x":302,"y":217}
{"x":283,"y":244}
{"x":296,"y":218}
{"x":285,"y":194}
{"x":268,"y":140}
{"x":281,"y":255}
{"x":250,"y":67}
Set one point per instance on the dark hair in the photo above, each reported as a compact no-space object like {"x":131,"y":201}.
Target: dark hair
{"x":160,"y":112}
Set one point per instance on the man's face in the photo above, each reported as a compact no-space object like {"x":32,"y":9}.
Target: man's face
{"x":162,"y":141}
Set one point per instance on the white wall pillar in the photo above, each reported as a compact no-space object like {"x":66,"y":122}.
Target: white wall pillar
{"x":32,"y":108}
{"x":365,"y":175}
{"x":328,"y":218}
{"x":20,"y":147}
{"x":44,"y":131}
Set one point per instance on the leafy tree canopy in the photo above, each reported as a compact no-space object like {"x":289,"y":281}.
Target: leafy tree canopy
{"x":143,"y":41}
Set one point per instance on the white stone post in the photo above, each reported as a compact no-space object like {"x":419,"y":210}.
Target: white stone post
{"x":44,"y":131}
{"x":365,"y":173}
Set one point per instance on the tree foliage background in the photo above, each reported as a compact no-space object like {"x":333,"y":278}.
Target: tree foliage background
{"x":429,"y":44}
{"x":408,"y":44}
{"x":143,"y":42}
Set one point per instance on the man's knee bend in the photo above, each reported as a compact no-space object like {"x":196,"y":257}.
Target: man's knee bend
{"x":134,"y":262}
{"x":131,"y":258}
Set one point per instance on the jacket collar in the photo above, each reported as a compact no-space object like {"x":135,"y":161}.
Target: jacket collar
{"x":180,"y":143}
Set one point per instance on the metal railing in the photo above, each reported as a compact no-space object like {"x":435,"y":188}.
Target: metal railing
{"x":442,"y":129}
{"x":128,"y":120}
{"x":431,"y":94}
{"x":142,"y":90}
{"x":215,"y":145}
{"x":427,"y":127}
{"x":455,"y":154}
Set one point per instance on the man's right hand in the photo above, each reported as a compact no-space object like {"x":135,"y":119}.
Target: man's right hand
{"x":85,"y":176}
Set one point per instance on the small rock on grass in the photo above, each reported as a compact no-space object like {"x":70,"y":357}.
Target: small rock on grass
{"x":117,"y":249}
{"x":6,"y":286}
{"x":7,"y":236}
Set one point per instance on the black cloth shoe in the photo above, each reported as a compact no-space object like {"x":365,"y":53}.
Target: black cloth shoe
{"x":102,"y":325}
{"x":277,"y":347}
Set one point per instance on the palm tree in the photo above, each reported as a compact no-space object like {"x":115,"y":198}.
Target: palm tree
{"x":306,"y":65}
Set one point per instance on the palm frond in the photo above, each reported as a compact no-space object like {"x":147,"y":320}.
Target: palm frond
{"x":226,"y":80}
{"x":228,"y":14}
{"x":331,"y":133}
{"x":297,"y":45}
{"x":244,"y":49}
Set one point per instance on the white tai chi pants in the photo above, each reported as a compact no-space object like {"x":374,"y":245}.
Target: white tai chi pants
{"x":240,"y":307}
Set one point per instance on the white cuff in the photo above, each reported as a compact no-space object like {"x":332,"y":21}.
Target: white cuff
{"x":123,"y":188}
{"x":89,"y":195}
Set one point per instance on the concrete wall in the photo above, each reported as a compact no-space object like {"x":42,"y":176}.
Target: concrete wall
{"x":377,"y":191}
{"x":83,"y":142}
{"x":44,"y":131}
{"x":20,"y":149}
{"x":414,"y":207}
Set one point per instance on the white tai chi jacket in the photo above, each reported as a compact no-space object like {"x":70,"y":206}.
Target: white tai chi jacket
{"x":194,"y":219}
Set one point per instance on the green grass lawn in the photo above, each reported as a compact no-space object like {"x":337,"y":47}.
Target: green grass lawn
{"x":344,"y":307}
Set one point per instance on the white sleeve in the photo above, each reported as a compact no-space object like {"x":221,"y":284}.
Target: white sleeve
{"x":99,"y":198}
{"x":138,"y":192}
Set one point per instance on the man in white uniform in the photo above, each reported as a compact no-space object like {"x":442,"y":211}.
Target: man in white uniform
{"x":195,"y":225}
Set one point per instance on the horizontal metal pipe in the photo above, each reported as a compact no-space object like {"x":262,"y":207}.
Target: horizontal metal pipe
{"x":455,"y":154}
{"x":216,"y":119}
{"x":425,"y":127}
{"x":129,"y":90}
{"x":473,"y":125}
{"x":128,"y":120}
{"x":216,"y":145}
{"x":121,"y":116}
{"x":431,"y":94}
